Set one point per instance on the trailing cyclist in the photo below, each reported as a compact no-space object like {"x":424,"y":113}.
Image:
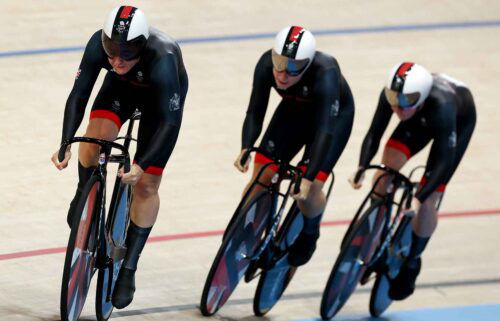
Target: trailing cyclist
{"x":430,"y":107}
{"x":144,"y":70}
{"x":316,"y":111}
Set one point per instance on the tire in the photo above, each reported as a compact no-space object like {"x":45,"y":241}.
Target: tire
{"x":380,"y":300}
{"x":117,"y":226}
{"x":399,"y":250}
{"x":79,"y":265}
{"x":353,"y":259}
{"x":273,"y":282}
{"x":230,"y":263}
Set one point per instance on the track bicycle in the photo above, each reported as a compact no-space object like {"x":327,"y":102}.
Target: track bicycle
{"x":97,"y":242}
{"x":378,"y":240}
{"x":254,"y":240}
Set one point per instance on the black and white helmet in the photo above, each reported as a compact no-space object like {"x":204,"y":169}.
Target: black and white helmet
{"x":125,"y":32}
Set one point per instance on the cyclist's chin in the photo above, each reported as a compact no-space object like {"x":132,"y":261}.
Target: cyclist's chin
{"x":404,"y":114}
{"x":122,"y":70}
{"x":285,"y":85}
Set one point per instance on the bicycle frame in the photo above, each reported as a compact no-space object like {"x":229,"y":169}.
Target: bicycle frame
{"x":285,"y":171}
{"x":391,"y":223}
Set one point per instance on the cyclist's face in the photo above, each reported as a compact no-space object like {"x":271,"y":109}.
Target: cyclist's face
{"x":121,"y":66}
{"x":284,"y":80}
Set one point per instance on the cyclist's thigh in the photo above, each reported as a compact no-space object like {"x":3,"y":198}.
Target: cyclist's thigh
{"x":114,"y":102}
{"x":408,"y":139}
{"x":341,"y":133}
{"x":287,"y":132}
{"x":149,"y":124}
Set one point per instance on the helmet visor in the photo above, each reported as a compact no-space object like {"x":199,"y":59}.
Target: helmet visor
{"x":127,"y":50}
{"x":293,"y":67}
{"x":402,"y":100}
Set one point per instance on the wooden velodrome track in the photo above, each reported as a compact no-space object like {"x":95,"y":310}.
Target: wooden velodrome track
{"x":200,"y":187}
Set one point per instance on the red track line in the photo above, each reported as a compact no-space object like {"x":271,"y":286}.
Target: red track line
{"x":185,"y":236}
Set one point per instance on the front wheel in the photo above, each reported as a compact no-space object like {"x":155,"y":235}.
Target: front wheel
{"x":233,"y":258}
{"x":353,"y":259}
{"x":273,"y":282}
{"x":380,"y":300}
{"x":79,"y":265}
{"x":116,"y":229}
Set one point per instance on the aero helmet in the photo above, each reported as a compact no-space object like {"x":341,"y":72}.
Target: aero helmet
{"x":294,"y":50}
{"x":125,"y":32}
{"x":408,"y":85}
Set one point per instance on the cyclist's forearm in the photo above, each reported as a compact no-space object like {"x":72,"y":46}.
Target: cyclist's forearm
{"x":368,"y":150}
{"x":252,"y":128}
{"x":73,"y":116}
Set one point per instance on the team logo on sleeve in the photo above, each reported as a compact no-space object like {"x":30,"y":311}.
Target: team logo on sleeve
{"x":175,"y":102}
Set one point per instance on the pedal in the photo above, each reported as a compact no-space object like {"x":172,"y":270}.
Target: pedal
{"x":250,"y":273}
{"x":365,"y":278}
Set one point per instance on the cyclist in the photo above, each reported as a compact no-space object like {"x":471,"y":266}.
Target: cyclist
{"x":316,"y":111}
{"x":144,"y":70}
{"x":430,"y":107}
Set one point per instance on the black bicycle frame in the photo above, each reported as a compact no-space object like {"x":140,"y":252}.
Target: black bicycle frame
{"x":398,"y":181}
{"x":285,"y":171}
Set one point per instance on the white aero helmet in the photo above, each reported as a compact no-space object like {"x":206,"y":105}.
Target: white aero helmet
{"x":408,"y":85}
{"x":294,"y":50}
{"x":125,"y":32}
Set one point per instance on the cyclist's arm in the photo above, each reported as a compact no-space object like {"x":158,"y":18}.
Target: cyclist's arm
{"x":89,"y":69}
{"x":379,"y":123}
{"x":442,"y":151}
{"x":259,"y":99}
{"x":167,"y":108}
{"x":327,"y":96}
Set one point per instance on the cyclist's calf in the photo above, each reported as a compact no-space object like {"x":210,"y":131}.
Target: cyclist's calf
{"x":426,"y":220}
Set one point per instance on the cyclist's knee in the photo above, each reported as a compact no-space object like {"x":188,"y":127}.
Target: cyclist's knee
{"x":317,"y":187}
{"x":429,"y":206}
{"x":147,"y":186}
{"x":266,"y":176}
{"x":88,"y":154}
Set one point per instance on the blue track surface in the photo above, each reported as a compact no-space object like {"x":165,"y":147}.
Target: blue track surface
{"x":467,"y":313}
{"x":246,"y":37}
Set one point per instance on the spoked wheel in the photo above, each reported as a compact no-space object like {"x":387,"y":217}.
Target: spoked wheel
{"x":79,"y":265}
{"x":380,"y":300}
{"x":273,"y":282}
{"x":117,"y":227}
{"x":232,"y":259}
{"x":353,"y":259}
